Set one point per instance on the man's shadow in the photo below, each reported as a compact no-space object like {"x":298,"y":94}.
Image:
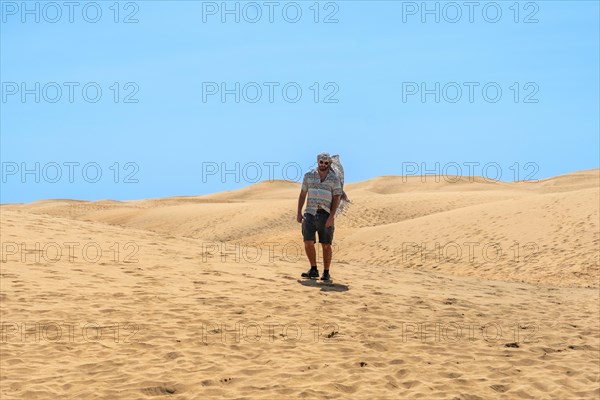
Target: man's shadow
{"x":324,"y":286}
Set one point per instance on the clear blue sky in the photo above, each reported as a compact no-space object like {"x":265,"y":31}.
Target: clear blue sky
{"x":371,"y":61}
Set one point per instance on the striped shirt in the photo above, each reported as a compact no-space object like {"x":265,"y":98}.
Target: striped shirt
{"x":320,"y":194}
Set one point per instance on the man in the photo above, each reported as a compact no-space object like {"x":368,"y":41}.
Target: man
{"x":324,"y":189}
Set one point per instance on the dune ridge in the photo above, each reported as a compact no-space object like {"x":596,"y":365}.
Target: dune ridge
{"x":469,"y":226}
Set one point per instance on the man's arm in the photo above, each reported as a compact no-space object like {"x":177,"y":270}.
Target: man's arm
{"x":337,"y":195}
{"x":334,"y":205}
{"x":301,"y":199}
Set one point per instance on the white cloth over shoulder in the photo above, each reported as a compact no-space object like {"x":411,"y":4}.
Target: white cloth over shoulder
{"x":337,"y":167}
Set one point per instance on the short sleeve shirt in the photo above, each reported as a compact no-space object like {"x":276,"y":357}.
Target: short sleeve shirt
{"x":320,"y":194}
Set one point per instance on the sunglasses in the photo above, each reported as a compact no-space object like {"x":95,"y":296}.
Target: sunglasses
{"x":324,"y":162}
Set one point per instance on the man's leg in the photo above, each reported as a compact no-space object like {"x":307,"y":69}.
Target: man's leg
{"x":326,"y":255}
{"x":325,"y":238}
{"x":309,"y":247}
{"x":308,"y":235}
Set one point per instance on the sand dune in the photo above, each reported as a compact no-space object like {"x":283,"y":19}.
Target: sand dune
{"x":197,"y":297}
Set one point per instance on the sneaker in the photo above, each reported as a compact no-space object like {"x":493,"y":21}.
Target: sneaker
{"x":312,"y":273}
{"x":326,"y":276}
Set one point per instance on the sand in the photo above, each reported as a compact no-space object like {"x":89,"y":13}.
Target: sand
{"x":450,"y":290}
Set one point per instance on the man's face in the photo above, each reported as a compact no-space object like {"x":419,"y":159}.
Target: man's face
{"x":324,"y":165}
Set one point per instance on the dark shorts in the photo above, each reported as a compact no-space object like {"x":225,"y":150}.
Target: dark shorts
{"x":312,"y":224}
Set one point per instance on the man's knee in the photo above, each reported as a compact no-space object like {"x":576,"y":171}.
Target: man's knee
{"x":308,"y":243}
{"x":326,"y":246}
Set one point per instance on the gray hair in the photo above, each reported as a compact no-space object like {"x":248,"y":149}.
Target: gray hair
{"x":324,"y":156}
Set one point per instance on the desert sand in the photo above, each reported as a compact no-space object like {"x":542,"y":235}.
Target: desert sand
{"x":455,"y":289}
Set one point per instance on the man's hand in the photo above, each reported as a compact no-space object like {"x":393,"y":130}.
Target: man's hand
{"x":299,"y":218}
{"x":329,"y":221}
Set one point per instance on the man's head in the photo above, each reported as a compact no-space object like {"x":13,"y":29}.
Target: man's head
{"x":324,"y":161}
